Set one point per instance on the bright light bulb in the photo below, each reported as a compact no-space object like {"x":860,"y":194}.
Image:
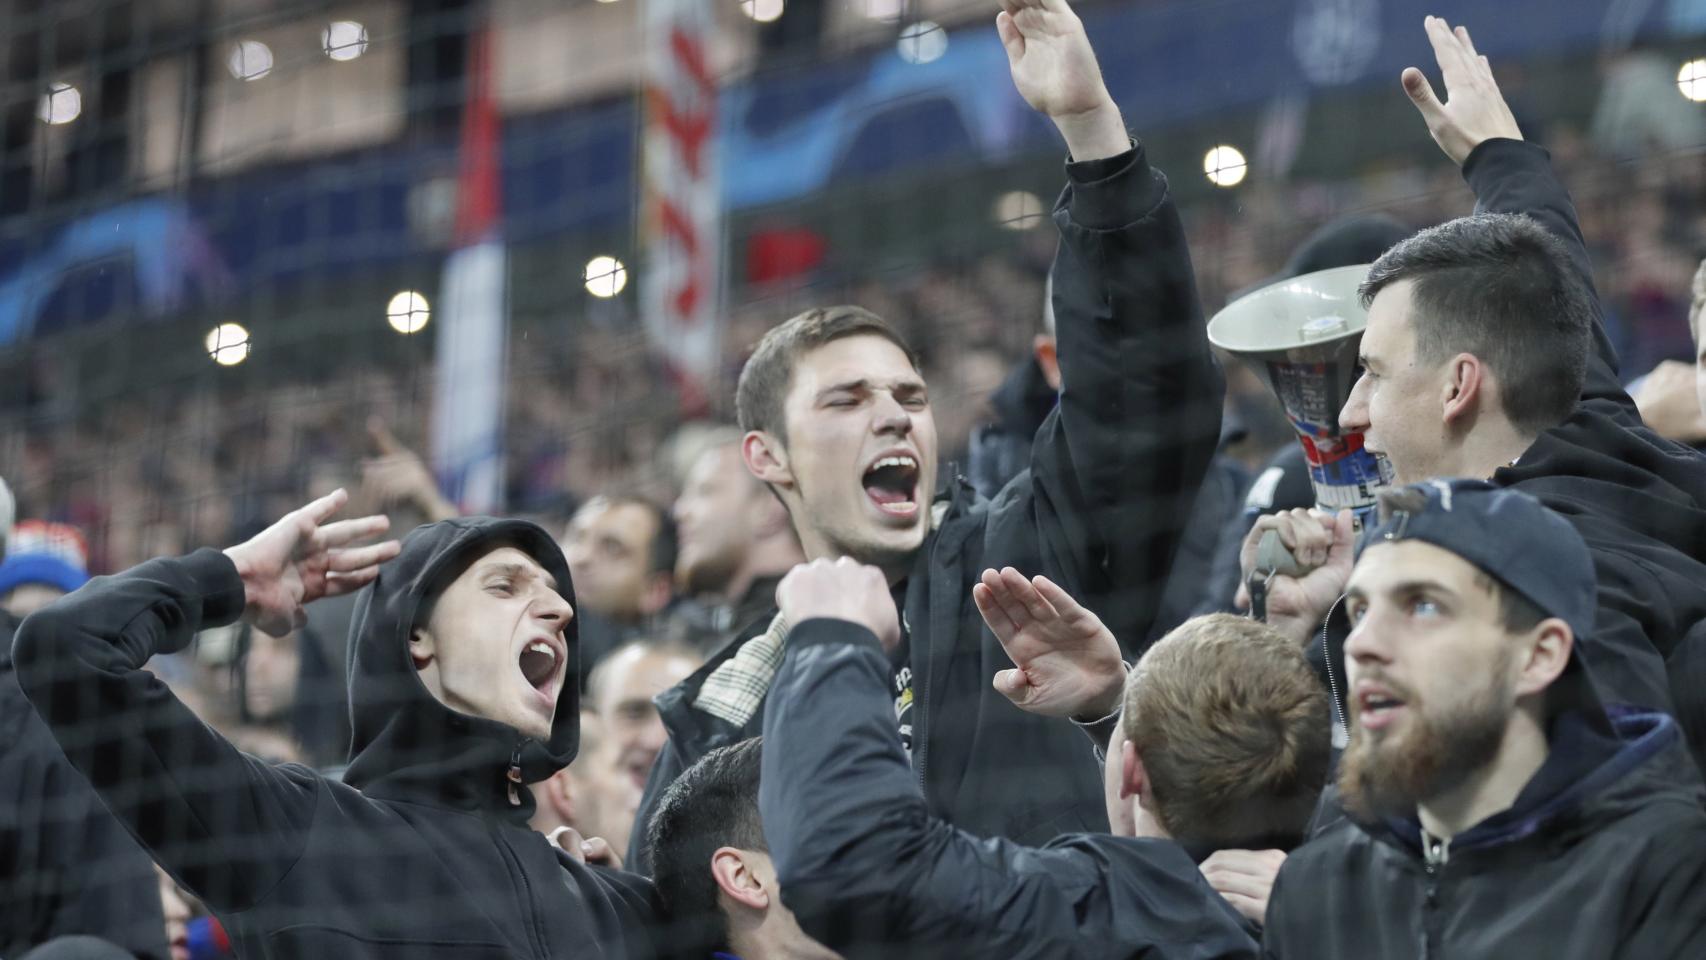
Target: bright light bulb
{"x":344,"y":40}
{"x":1691,"y":80}
{"x":228,"y":344}
{"x":764,"y":11}
{"x":922,"y":42}
{"x":1225,"y":166}
{"x":605,"y":276}
{"x":408,"y":312}
{"x":62,"y":103}
{"x":250,"y":60}
{"x":1018,"y":210}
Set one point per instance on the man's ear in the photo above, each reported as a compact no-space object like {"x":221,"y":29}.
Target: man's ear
{"x":559,"y":790}
{"x":1133,"y":779}
{"x":735,"y":877}
{"x":1043,"y":349}
{"x":1544,"y":655}
{"x":422,"y":650}
{"x":766,"y":458}
{"x":1465,"y":388}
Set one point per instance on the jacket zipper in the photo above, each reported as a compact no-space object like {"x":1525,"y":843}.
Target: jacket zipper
{"x":513,"y":776}
{"x":1327,"y":656}
{"x":1435,"y":855}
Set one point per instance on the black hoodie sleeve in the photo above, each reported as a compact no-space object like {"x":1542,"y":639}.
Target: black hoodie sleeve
{"x":1117,"y":465}
{"x":1514,"y":176}
{"x":225,"y":825}
{"x":868,"y":872}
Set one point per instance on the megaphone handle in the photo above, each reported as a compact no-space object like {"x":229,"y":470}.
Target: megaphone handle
{"x":1272,"y":559}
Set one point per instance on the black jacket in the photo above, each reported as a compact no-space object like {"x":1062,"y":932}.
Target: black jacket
{"x":66,"y":866}
{"x":1603,"y":856}
{"x":1114,"y":469}
{"x":423,"y":853}
{"x":868,"y":871}
{"x":1638,"y":499}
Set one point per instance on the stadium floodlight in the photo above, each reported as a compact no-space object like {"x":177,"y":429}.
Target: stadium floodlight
{"x":922,"y":42}
{"x":228,"y":344}
{"x":605,"y":276}
{"x":62,"y":103}
{"x":1019,"y":210}
{"x":1225,"y":166}
{"x":1691,"y":80}
{"x":344,"y":39}
{"x":408,"y":312}
{"x":250,"y":60}
{"x":764,"y":11}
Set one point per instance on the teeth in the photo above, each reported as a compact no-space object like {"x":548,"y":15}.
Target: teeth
{"x":895,"y":462}
{"x":540,"y":646}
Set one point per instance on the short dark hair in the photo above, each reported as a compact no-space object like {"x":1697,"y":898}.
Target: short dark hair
{"x":663,"y":545}
{"x":1501,"y":287}
{"x":1230,"y":721}
{"x":714,"y":804}
{"x":769,"y":372}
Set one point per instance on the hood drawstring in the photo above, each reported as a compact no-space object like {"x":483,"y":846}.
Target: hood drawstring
{"x":514,"y":775}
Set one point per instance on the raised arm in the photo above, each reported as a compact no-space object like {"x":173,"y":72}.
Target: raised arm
{"x":223,"y":823}
{"x":862,"y":863}
{"x":1477,"y":131}
{"x":1117,"y":466}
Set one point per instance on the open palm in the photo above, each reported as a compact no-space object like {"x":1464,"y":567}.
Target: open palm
{"x":1053,"y":65}
{"x":1067,"y":664}
{"x":297,"y":561}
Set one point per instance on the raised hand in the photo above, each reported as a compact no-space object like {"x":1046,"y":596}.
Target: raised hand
{"x":1671,"y":402}
{"x":1475,"y":110}
{"x":398,"y":475}
{"x":1325,"y":546}
{"x":1055,"y":70}
{"x":302,"y":558}
{"x":1244,"y":878}
{"x":842,"y":589}
{"x":1066,"y":663}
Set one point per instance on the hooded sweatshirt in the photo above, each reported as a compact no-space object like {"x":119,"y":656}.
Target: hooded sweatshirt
{"x":423,"y":852}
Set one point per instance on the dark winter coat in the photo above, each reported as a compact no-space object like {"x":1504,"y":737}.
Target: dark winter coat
{"x":424,"y":852}
{"x":66,"y":866}
{"x":869,"y":872}
{"x":1113,"y":471}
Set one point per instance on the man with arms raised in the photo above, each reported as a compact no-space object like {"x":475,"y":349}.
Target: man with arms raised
{"x":464,"y":687}
{"x":1484,"y":358}
{"x":1495,"y":808}
{"x":839,"y":424}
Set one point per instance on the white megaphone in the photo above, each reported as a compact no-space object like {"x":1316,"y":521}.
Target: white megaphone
{"x":1301,"y":336}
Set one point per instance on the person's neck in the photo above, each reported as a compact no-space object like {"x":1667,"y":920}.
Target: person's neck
{"x":1147,"y":825}
{"x":1495,"y":786}
{"x":762,"y":561}
{"x":1493,"y":445}
{"x":895,"y":569}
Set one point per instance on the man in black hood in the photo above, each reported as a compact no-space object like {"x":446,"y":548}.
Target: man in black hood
{"x":464,"y":688}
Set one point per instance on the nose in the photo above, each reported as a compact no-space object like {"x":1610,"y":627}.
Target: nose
{"x":552,"y":608}
{"x":891,"y":417}
{"x":1364,"y":644}
{"x":1353,"y":417}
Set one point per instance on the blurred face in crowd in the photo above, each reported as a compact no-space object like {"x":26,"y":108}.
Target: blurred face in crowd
{"x":1396,"y":402}
{"x":859,"y":464}
{"x":269,"y":675}
{"x":590,"y":794}
{"x":609,"y":549}
{"x":624,"y":688}
{"x":1434,"y":675}
{"x":176,"y":909}
{"x":28,"y":598}
{"x":494,"y":644}
{"x":718,"y":517}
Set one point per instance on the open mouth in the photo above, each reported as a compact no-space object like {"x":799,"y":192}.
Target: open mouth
{"x":1377,"y":708}
{"x":538,"y":662}
{"x":892,"y":484}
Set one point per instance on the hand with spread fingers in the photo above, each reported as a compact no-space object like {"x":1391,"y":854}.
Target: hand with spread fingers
{"x":1474,"y":111}
{"x":399,"y":475}
{"x":1066,"y":663}
{"x":302,"y":558}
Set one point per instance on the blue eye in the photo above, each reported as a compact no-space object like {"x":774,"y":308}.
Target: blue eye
{"x":1424,"y":607}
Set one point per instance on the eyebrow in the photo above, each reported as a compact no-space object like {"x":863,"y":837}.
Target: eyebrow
{"x":518,"y":570}
{"x":1354,"y":592}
